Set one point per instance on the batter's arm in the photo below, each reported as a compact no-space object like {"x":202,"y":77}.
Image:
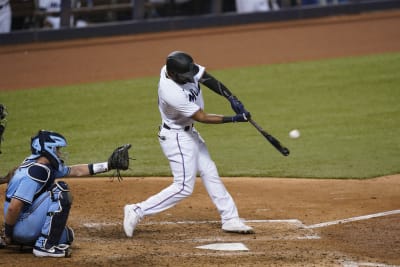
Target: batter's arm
{"x":204,"y":117}
{"x":221,"y":89}
{"x":215,"y":85}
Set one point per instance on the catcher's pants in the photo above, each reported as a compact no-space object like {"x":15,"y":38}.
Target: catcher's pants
{"x":33,"y":220}
{"x":188,"y":155}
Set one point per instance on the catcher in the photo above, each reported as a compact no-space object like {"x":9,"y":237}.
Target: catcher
{"x":37,"y":206}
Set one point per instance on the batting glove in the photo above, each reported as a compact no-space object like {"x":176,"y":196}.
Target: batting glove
{"x":236,"y":105}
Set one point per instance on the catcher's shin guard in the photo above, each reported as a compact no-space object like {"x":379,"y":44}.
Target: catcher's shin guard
{"x":57,"y":216}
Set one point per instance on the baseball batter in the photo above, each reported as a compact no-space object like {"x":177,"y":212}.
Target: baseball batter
{"x":181,"y":104}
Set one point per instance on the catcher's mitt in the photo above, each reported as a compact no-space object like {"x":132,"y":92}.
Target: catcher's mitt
{"x":3,"y":121}
{"x":119,"y":160}
{"x":8,"y":176}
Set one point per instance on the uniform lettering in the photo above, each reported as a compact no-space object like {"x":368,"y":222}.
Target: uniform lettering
{"x":193,"y":95}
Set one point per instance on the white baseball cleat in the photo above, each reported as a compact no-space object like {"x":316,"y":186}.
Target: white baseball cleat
{"x":236,"y":225}
{"x":131,"y":219}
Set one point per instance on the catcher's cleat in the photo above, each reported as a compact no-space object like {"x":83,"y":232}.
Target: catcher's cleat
{"x":131,"y":219}
{"x":59,"y":251}
{"x":235,"y":225}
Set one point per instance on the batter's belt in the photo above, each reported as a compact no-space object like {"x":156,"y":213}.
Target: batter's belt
{"x":186,"y":128}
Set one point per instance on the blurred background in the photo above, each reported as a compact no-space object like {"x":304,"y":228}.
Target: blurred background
{"x":33,"y":20}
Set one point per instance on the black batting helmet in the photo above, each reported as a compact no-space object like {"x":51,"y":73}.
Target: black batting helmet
{"x":181,"y":67}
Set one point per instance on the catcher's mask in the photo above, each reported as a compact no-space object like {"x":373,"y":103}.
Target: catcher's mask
{"x":48,"y":144}
{"x":181,"y":68}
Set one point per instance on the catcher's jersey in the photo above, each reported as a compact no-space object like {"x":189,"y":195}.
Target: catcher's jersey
{"x":26,"y":184}
{"x":178,"y":102}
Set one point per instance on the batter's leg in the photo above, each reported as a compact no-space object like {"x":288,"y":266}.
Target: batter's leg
{"x":214,"y":185}
{"x":181,"y":151}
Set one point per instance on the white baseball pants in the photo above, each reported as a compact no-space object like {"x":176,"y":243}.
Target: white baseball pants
{"x":188,"y":155}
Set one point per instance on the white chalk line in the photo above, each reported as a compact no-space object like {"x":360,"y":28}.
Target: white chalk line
{"x":295,"y":222}
{"x":354,"y":219}
{"x":360,"y":264}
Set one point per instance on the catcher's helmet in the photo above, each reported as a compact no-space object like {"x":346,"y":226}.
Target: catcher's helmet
{"x":46,"y":143}
{"x":181,"y":68}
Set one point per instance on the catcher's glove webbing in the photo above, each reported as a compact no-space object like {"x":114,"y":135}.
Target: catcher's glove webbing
{"x":119,"y":160}
{"x":3,"y":122}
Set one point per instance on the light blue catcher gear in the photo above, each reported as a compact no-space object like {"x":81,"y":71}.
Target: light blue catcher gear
{"x":55,"y":235}
{"x":45,"y":143}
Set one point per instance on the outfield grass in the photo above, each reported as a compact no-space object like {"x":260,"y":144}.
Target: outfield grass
{"x":347,"y":110}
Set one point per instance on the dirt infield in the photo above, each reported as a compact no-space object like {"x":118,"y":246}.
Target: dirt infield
{"x":298,"y":222}
{"x":282,"y":211}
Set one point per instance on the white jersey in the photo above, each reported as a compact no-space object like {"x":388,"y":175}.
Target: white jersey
{"x":5,"y":16}
{"x":178,"y":102}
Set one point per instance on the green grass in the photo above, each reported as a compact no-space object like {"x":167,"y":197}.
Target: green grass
{"x":347,"y":110}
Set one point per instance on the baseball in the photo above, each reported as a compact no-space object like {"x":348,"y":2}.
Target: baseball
{"x":294,"y":134}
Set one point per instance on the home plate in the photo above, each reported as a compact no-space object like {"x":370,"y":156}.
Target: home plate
{"x":225,"y":246}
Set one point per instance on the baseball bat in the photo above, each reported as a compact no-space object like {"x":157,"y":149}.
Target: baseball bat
{"x":284,"y":151}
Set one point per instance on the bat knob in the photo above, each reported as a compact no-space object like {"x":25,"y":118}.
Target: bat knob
{"x":285,"y":151}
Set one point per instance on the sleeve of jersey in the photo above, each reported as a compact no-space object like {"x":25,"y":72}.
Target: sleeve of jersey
{"x":64,"y":172}
{"x":181,"y":103}
{"x":26,"y":190}
{"x":35,"y":178}
{"x":184,"y":106}
{"x":199,"y":74}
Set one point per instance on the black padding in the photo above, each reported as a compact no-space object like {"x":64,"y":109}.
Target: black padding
{"x":39,"y":173}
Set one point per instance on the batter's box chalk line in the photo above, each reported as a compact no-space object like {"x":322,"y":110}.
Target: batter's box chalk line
{"x":297,"y":230}
{"x":365,"y":264}
{"x":295,"y":222}
{"x":354,"y":219}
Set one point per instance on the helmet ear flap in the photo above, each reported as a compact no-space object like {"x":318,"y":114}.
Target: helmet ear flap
{"x":35,"y":145}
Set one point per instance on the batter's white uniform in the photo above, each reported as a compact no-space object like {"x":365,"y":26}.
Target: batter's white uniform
{"x":249,"y":6}
{"x":5,"y":16}
{"x":185,"y":150}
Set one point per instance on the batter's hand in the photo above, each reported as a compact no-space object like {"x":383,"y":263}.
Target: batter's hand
{"x":3,"y":112}
{"x":243,"y":117}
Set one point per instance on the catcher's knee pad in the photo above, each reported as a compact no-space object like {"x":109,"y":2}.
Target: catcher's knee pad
{"x":57,"y":216}
{"x":60,"y":192}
